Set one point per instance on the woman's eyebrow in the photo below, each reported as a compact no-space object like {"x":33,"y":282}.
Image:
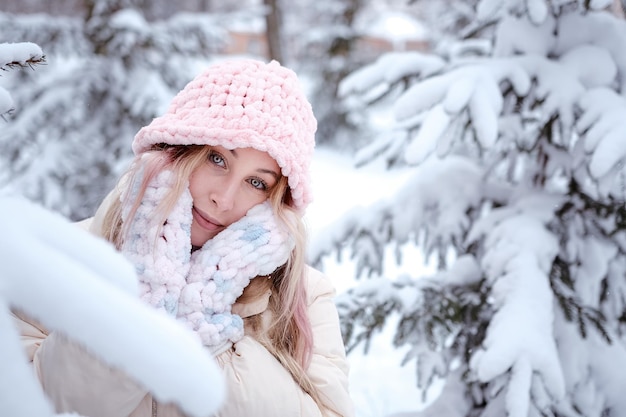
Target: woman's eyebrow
{"x":269,"y":171}
{"x":275,"y":174}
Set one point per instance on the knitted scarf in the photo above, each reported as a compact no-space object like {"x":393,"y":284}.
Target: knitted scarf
{"x":200,"y":288}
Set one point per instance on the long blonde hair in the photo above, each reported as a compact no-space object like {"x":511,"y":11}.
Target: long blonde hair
{"x":289,"y":337}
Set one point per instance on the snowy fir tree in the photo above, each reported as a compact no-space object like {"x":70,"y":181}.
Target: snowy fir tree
{"x":326,"y":53}
{"x":108,"y":72}
{"x":517,"y":193}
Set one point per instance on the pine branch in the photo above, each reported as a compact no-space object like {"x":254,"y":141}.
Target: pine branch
{"x":368,"y":318}
{"x":29,"y":63}
{"x":572,"y":306}
{"x":20,"y":58}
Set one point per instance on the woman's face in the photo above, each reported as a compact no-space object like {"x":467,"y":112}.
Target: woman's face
{"x":224,"y":188}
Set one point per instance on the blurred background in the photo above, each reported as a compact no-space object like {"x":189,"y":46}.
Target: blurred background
{"x":113,"y":65}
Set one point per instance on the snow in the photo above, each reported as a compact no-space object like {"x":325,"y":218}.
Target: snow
{"x":582,"y":78}
{"x":593,"y":66}
{"x":395,"y":26}
{"x":602,"y":120}
{"x":592,"y":362}
{"x":338,"y":187}
{"x":593,"y":268}
{"x":572,"y":66}
{"x":521,"y":289}
{"x":28,"y":399}
{"x":487,"y":9}
{"x":425,"y":143}
{"x":79,"y":278}
{"x":537,"y":10}
{"x":388,"y":69}
{"x":129,"y":19}
{"x":6,"y":102}
{"x":18,"y":53}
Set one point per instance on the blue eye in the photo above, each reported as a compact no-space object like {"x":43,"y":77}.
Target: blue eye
{"x":216,"y":158}
{"x":258,"y":183}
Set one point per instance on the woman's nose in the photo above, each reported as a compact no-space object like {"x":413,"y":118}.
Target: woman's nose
{"x":223,"y":196}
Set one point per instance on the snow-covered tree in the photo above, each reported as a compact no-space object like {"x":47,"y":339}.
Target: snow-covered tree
{"x":518,"y":193}
{"x":325,"y":53}
{"x":107,"y":74}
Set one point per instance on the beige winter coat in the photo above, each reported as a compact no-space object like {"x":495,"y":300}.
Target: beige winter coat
{"x":258,"y":385}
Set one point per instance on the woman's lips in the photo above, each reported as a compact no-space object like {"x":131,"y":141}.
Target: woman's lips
{"x":205,"y":221}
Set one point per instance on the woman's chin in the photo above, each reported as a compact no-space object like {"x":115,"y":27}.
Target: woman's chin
{"x":200,"y":237}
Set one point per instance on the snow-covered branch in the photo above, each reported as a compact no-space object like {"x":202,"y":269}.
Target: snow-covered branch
{"x":68,"y":280}
{"x":12,"y":55}
{"x":519,"y":276}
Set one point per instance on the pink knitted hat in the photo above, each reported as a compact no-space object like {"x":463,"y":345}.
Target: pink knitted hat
{"x":243,"y":104}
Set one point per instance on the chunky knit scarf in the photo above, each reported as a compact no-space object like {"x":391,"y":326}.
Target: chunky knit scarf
{"x":200,"y":288}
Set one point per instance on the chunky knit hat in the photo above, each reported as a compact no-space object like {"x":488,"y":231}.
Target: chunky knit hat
{"x":243,"y":104}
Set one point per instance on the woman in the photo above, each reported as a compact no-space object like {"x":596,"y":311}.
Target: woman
{"x":210,"y":213}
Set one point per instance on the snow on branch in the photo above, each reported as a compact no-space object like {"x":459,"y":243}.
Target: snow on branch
{"x":602,"y":124}
{"x":78,"y":285}
{"x":540,"y":72}
{"x":536,"y":11}
{"x":23,"y":54}
{"x":436,"y":201}
{"x":520,"y":340}
{"x":433,"y":312}
{"x":389,"y":69}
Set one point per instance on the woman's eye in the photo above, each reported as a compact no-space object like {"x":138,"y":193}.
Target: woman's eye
{"x":258,"y":184}
{"x":216,"y":158}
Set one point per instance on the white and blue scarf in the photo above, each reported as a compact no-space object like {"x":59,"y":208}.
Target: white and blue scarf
{"x":200,"y":288}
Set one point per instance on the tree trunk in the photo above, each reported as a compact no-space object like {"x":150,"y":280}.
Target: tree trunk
{"x":273,"y":23}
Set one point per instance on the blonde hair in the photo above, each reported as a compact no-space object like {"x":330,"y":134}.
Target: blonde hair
{"x":289,"y":337}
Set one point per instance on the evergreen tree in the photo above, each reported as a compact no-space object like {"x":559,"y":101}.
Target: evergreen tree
{"x":107,"y":74}
{"x":518,"y":191}
{"x":326,"y":53}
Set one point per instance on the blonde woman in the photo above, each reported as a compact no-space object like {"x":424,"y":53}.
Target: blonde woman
{"x":210,"y":213}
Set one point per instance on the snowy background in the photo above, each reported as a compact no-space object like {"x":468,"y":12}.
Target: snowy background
{"x":379,"y":384}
